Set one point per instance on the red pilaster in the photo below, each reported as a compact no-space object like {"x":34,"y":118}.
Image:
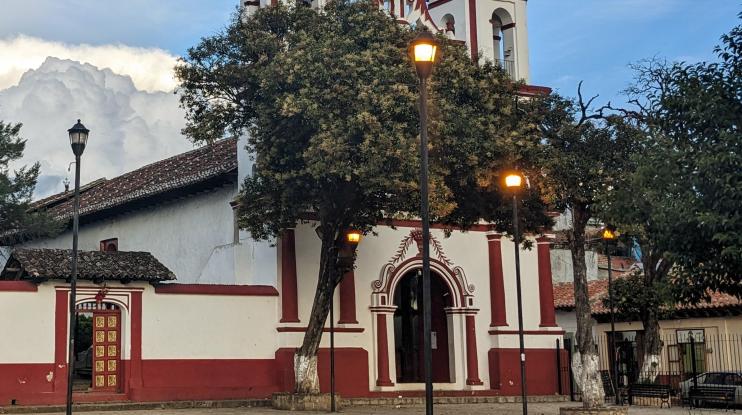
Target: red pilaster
{"x":348,"y":299}
{"x":135,"y":376}
{"x":497,"y":284}
{"x":473,"y":30}
{"x":382,"y":350}
{"x":472,"y":364}
{"x":61,"y":309}
{"x":545,"y":286}
{"x":289,"y":301}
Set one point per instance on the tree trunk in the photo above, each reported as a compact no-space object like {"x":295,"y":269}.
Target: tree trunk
{"x":655,"y":269}
{"x":305,"y":359}
{"x":585,"y":363}
{"x":652,"y":348}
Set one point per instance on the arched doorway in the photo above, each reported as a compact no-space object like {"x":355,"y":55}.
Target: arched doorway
{"x":408,"y":328}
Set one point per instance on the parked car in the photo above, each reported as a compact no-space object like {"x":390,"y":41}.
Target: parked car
{"x":715,"y":379}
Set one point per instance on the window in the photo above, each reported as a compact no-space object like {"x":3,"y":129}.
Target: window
{"x":692,"y":348}
{"x":503,"y":41}
{"x":109,"y":245}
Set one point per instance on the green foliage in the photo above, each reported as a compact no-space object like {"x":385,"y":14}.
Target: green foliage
{"x":330,"y":104}
{"x":16,"y":190}
{"x":633,"y":297}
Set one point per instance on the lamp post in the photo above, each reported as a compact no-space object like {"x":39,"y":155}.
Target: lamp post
{"x":609,"y":235}
{"x":78,"y":139}
{"x":423,"y":50}
{"x":514,"y":182}
{"x":351,"y":240}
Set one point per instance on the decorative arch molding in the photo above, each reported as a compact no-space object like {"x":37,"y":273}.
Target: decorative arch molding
{"x":382,"y":289}
{"x":461,"y":314}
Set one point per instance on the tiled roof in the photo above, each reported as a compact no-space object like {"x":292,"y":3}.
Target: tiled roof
{"x":564,"y":298}
{"x":45,"y":264}
{"x":185,"y":169}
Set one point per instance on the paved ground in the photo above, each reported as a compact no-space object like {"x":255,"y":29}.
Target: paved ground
{"x":468,"y":409}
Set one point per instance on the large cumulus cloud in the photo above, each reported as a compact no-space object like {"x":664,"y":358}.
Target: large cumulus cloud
{"x":129,"y":127}
{"x":150,"y":69}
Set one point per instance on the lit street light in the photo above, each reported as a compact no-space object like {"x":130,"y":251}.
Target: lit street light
{"x":513,"y":183}
{"x":78,"y":140}
{"x":609,"y":235}
{"x":423,"y":51}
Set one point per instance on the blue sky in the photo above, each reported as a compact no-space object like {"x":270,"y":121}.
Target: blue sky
{"x":570,"y":40}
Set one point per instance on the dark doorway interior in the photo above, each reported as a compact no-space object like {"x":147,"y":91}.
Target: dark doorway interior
{"x":408,"y":328}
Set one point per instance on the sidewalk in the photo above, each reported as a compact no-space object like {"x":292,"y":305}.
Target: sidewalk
{"x":443,"y":409}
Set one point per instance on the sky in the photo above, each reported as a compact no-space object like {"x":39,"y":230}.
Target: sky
{"x":134,"y":116}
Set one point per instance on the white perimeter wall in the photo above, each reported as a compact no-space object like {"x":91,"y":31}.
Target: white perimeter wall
{"x":27,"y":326}
{"x":181,"y":326}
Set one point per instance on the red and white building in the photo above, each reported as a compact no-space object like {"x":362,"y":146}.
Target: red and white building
{"x":181,"y":304}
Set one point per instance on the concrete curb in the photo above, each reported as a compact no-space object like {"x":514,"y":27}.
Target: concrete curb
{"x":266,"y":403}
{"x":138,"y":406}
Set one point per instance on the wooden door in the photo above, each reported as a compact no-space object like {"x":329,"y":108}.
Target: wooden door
{"x":106,"y":350}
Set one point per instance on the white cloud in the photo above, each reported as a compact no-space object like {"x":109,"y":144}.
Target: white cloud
{"x":129,"y":127}
{"x":150,"y":69}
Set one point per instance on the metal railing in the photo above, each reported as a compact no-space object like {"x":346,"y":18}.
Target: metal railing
{"x":508,"y":65}
{"x":682,"y":360}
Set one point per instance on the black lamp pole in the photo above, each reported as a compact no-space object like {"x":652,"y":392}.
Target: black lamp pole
{"x":608,"y":236}
{"x":521,"y":341}
{"x":332,"y":351}
{"x":423,"y":51}
{"x":78,"y":139}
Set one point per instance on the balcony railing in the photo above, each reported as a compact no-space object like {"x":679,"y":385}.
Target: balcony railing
{"x":508,"y":65}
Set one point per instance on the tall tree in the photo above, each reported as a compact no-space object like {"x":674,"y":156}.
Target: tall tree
{"x":581,"y":155}
{"x":329,"y":102}
{"x":682,"y":201}
{"x":16,"y":191}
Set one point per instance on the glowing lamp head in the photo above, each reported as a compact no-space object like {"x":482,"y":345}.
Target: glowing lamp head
{"x":513,"y":181}
{"x":353,"y":237}
{"x":423,"y":50}
{"x":609,"y":233}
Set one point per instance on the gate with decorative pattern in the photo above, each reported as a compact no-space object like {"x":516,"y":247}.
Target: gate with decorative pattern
{"x":106,"y":350}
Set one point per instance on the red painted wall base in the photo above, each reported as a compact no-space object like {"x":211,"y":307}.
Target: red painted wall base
{"x":351,"y":369}
{"x":541,"y":371}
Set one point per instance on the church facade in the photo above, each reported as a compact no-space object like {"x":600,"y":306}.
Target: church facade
{"x":175,"y":302}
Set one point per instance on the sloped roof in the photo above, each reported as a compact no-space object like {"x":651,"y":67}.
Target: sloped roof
{"x":176,"y":172}
{"x":564,"y":298}
{"x":50,"y":264}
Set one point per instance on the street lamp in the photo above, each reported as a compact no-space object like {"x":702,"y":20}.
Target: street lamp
{"x":423,"y":51}
{"x":350,"y":243}
{"x":513,"y":183}
{"x":609,"y":235}
{"x":78,"y":140}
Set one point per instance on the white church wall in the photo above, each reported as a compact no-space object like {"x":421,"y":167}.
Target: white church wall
{"x":181,"y":326}
{"x":27,"y":326}
{"x":184,"y":235}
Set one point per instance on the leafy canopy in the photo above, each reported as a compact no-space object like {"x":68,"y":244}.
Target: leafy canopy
{"x":329,"y":102}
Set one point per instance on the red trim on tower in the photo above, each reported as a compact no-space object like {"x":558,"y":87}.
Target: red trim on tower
{"x":18,"y":286}
{"x":217,"y":289}
{"x":382,"y":350}
{"x":473,"y":30}
{"x":545,"y":286}
{"x":497,"y":283}
{"x":289,"y":298}
{"x":348,"y":299}
{"x":472,"y":364}
{"x":437,"y":3}
{"x":533,"y":90}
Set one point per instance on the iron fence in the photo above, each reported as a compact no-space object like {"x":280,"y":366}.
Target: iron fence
{"x":688,"y":358}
